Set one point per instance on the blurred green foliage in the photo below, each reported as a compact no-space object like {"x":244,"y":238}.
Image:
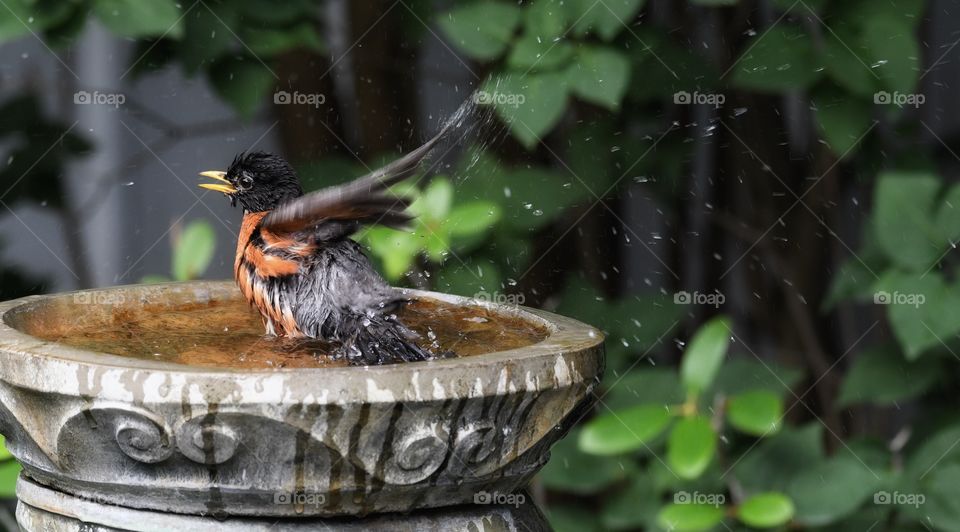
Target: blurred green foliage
{"x":192,"y":249}
{"x":703,"y":446}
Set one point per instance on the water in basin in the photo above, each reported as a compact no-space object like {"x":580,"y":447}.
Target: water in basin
{"x":229,"y":334}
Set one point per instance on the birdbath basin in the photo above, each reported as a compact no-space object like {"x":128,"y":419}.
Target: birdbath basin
{"x":166,"y":399}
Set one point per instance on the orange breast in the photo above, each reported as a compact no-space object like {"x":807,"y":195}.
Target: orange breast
{"x":253,"y":268}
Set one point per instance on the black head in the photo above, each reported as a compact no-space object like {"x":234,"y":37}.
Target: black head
{"x":259,"y":181}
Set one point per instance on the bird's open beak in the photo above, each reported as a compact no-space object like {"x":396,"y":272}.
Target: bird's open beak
{"x":225,"y":187}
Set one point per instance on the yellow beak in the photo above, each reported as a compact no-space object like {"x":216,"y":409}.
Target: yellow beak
{"x":225,"y":187}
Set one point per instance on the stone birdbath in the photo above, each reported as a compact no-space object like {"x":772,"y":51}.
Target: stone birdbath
{"x":161,"y":407}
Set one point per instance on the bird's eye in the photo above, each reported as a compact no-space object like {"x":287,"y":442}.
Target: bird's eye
{"x":246,"y":182}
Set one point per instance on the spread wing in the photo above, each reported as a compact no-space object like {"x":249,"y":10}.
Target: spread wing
{"x":335,"y":212}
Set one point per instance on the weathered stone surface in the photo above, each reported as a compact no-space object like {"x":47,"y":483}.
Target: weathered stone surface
{"x":44,"y":510}
{"x":357,"y":440}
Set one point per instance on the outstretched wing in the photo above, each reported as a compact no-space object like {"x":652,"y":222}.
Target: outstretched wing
{"x":335,"y":212}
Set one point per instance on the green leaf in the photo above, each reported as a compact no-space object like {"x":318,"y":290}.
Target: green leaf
{"x":759,"y":412}
{"x":920,"y":309}
{"x":435,"y":200}
{"x":766,"y":510}
{"x":600,"y":76}
{"x":833,"y":489}
{"x":531,"y":105}
{"x":843,"y":120}
{"x":574,"y":471}
{"x":14,"y":22}
{"x":705,"y":354}
{"x":193,"y":250}
{"x":894,"y":51}
{"x":435,"y":241}
{"x":774,"y":461}
{"x":948,"y":215}
{"x":881,"y":376}
{"x":848,"y":64}
{"x":481,"y":30}
{"x":475,"y":217}
{"x":690,"y":517}
{"x":133,"y":18}
{"x":269,"y":41}
{"x":546,"y":19}
{"x":624,"y":430}
{"x":270,"y":12}
{"x":903,"y":207}
{"x":396,"y":249}
{"x":532,"y":53}
{"x":529,"y":198}
{"x":242,"y":82}
{"x":935,"y":502}
{"x":934,"y":451}
{"x":21,"y":17}
{"x":607,"y":18}
{"x":691,"y":446}
{"x":783,"y":58}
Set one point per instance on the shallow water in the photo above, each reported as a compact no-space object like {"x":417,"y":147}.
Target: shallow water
{"x":229,"y":334}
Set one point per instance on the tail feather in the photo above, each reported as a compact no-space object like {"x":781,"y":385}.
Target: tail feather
{"x":382,"y":340}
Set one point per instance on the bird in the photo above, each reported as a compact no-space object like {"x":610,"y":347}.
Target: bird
{"x":297,"y":265}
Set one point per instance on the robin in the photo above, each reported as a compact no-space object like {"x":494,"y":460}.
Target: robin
{"x":297,"y":264}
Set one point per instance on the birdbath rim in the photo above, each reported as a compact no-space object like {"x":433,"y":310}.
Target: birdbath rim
{"x":566,"y":339}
